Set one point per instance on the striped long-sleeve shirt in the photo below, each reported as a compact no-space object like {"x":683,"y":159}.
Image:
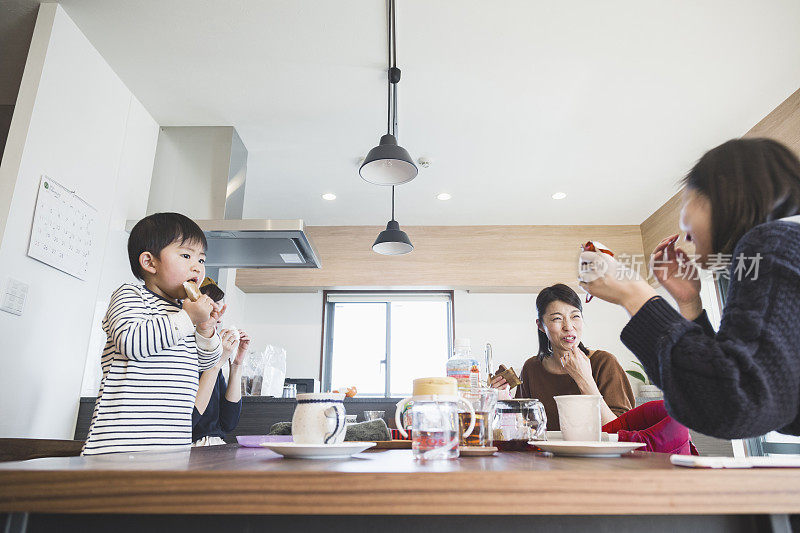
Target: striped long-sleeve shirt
{"x":150,"y":374}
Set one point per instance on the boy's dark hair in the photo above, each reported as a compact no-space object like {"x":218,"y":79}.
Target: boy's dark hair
{"x":155,"y":232}
{"x":213,"y":291}
{"x":555,"y":293}
{"x":748,"y":182}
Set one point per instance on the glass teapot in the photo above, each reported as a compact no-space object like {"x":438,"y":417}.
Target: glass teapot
{"x":434,"y":418}
{"x":519,"y":419}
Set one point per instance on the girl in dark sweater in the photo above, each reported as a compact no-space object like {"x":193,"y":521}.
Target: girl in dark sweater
{"x":741,"y":203}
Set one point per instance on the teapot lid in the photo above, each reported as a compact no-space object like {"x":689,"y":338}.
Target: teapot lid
{"x":441,"y":386}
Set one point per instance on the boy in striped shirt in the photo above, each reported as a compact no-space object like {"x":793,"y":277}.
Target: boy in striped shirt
{"x":158,"y":340}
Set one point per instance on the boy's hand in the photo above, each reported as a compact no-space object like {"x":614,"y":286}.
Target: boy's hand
{"x":206,"y":328}
{"x":199,"y":311}
{"x":244,"y":344}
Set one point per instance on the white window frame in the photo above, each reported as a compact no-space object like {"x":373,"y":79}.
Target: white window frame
{"x":330,"y":298}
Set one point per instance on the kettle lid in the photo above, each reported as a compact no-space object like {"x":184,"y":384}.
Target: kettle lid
{"x":441,"y":386}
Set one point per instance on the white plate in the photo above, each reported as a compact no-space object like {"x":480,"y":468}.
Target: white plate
{"x":556,"y":435}
{"x":293,"y":450}
{"x":576,"y":448}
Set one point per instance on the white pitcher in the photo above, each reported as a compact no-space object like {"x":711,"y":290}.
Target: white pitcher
{"x":319,"y":418}
{"x":434,"y":418}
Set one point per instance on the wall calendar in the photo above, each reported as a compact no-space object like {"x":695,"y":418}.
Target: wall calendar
{"x":63,"y":229}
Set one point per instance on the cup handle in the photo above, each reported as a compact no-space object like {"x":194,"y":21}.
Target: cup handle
{"x":471,"y":416}
{"x":397,"y":412}
{"x":337,"y":413}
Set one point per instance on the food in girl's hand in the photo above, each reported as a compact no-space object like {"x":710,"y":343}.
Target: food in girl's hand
{"x":595,"y":261}
{"x":192,"y":291}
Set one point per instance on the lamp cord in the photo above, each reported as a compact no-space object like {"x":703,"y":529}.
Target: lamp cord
{"x":392,"y":202}
{"x":391,"y":120}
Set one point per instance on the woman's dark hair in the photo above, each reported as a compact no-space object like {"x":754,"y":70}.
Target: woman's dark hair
{"x":555,"y":293}
{"x":157,"y":231}
{"x":213,"y":291}
{"x":748,"y":182}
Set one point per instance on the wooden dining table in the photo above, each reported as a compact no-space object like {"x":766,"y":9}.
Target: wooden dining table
{"x":522,"y":488}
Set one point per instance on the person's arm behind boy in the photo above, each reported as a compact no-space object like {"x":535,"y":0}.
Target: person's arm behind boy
{"x":231,"y":407}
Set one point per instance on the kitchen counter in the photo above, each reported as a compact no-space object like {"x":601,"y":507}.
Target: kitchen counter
{"x":233,"y":480}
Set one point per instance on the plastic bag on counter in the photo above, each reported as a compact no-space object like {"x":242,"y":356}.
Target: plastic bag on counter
{"x":274,"y":371}
{"x":264,"y":372}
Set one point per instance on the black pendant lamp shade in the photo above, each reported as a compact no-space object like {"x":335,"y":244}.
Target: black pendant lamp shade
{"x":392,"y":241}
{"x":388,"y":164}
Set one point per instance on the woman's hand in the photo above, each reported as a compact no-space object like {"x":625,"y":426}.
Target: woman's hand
{"x":499,"y":382}
{"x":679,"y":275}
{"x":579,"y":369}
{"x":244,"y":344}
{"x":228,"y":338}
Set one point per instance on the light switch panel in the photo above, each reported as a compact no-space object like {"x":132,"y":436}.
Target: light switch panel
{"x":13,"y":299}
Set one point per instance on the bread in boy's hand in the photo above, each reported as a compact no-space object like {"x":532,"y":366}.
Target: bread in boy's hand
{"x":192,"y":291}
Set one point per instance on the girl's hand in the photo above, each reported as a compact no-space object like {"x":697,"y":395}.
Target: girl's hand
{"x":244,"y":344}
{"x":577,"y":366}
{"x":678,"y":274}
{"x":617,"y":288}
{"x":228,"y":339}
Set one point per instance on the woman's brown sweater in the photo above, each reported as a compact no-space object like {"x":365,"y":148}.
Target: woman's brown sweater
{"x":539,"y":383}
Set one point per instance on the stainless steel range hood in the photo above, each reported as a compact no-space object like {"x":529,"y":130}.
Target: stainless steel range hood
{"x":258,"y":243}
{"x":211,"y":163}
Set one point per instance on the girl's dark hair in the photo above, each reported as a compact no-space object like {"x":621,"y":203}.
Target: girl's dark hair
{"x":157,"y":231}
{"x":213,"y":291}
{"x":748,"y":182}
{"x":555,"y":293}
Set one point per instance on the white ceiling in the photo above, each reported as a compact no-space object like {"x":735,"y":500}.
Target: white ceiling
{"x":610,"y":102}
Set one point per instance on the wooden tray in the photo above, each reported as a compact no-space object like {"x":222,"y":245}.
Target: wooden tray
{"x":392,"y":445}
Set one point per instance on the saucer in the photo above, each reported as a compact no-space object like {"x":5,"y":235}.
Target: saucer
{"x":476,"y":451}
{"x":293,"y":450}
{"x":577,"y":448}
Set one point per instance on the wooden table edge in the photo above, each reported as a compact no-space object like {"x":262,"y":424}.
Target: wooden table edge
{"x":670,"y":491}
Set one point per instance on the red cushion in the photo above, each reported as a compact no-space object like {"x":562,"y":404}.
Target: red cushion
{"x":649,"y":423}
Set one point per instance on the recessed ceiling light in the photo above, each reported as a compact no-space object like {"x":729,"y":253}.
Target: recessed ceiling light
{"x":329,"y":196}
{"x":559,"y":196}
{"x":443,"y":196}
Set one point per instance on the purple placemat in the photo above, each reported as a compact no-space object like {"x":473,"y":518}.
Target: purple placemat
{"x":254,"y":441}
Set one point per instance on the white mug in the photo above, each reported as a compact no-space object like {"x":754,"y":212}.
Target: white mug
{"x":579,"y":416}
{"x":319,"y":418}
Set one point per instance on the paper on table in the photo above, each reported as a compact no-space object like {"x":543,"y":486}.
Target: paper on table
{"x":735,"y":462}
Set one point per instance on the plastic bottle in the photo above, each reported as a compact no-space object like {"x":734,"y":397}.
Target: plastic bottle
{"x":460,"y":364}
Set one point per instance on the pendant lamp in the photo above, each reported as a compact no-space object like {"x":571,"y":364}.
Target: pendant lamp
{"x":392,"y":241}
{"x":389,"y":163}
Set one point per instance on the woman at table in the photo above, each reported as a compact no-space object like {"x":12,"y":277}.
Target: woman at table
{"x":565,"y":366}
{"x":741,"y":200}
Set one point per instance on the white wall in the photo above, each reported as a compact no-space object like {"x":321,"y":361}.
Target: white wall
{"x":77,"y":122}
{"x":292,"y":321}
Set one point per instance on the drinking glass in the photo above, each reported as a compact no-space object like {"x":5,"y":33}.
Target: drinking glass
{"x":484,"y":402}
